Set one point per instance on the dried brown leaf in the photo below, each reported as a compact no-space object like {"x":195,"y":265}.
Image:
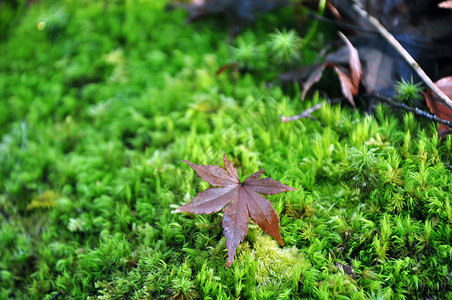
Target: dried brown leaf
{"x":349,"y":80}
{"x":439,"y":109}
{"x":315,"y":76}
{"x":348,"y":90}
{"x":356,"y":70}
{"x":423,"y":30}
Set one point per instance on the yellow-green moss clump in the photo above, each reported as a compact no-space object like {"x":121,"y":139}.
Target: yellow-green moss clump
{"x":275,"y":265}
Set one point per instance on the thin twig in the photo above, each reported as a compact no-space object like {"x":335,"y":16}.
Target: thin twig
{"x":415,"y":110}
{"x":408,"y":58}
{"x":307,"y":113}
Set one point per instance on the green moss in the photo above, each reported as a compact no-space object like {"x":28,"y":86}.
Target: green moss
{"x":102,"y":103}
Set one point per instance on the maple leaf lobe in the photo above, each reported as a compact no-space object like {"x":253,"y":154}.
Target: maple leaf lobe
{"x":240,"y":201}
{"x":214,"y":175}
{"x":230,"y":168}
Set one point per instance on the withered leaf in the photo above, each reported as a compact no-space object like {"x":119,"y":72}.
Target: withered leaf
{"x":348,"y":77}
{"x":439,"y":109}
{"x":423,"y":30}
{"x":240,"y":201}
{"x":422,"y":27}
{"x":346,"y":85}
{"x":241,"y":12}
{"x":356,"y":70}
{"x":315,"y":73}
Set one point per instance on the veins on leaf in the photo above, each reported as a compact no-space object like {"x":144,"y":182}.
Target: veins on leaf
{"x":240,"y":200}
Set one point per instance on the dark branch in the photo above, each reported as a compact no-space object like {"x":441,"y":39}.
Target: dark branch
{"x":415,"y":110}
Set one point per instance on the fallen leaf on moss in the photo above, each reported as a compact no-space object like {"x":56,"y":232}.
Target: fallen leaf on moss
{"x":240,"y":201}
{"x":349,"y":77}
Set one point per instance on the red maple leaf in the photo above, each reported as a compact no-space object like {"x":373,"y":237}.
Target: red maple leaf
{"x":240,"y":201}
{"x":439,"y":109}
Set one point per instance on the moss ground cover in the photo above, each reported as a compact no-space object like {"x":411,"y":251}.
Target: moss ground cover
{"x":100,"y":101}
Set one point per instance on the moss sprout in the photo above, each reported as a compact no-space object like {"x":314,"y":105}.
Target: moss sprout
{"x":285,"y":45}
{"x":408,"y":91}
